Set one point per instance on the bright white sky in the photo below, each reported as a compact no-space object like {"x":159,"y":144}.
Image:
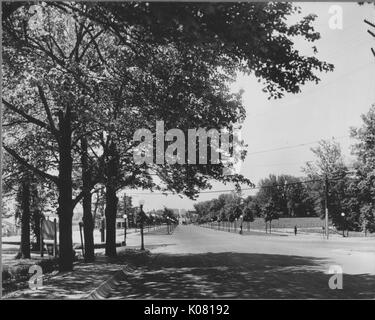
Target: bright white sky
{"x":321,"y":111}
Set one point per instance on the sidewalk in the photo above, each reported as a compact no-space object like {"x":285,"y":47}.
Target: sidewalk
{"x":85,"y":278}
{"x":88,"y":276}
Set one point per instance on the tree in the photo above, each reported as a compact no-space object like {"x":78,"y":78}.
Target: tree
{"x":202,"y":209}
{"x":24,"y":214}
{"x":252,"y":207}
{"x":168,"y":215}
{"x":29,"y":193}
{"x":272,"y":190}
{"x":125,"y":206}
{"x":270,"y":212}
{"x":364,"y":149}
{"x":233,"y":208}
{"x":288,"y":193}
{"x":59,"y":69}
{"x":253,"y":35}
{"x":42,"y":79}
{"x":329,"y":163}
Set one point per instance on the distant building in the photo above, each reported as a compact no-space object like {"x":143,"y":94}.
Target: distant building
{"x":9,"y":227}
{"x":120,"y":223}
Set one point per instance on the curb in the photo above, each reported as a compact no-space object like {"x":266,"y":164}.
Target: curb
{"x":103,"y":291}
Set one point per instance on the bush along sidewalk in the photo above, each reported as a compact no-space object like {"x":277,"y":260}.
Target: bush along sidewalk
{"x":16,"y":276}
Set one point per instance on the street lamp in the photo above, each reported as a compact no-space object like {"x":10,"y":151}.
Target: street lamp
{"x":241,"y":217}
{"x":343,"y":223}
{"x":153,"y":220}
{"x":168,"y":224}
{"x":141,"y":212}
{"x":125,"y":227}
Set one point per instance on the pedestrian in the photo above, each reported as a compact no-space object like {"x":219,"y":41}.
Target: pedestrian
{"x":295,"y":230}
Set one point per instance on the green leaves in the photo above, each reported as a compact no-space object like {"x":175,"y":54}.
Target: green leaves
{"x":120,"y":66}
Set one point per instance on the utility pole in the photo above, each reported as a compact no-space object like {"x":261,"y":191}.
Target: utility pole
{"x":326,"y":206}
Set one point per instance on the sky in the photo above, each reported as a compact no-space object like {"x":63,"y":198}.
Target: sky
{"x":296,"y":122}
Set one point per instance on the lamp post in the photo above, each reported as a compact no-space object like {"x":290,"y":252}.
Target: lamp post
{"x":168,"y":223}
{"x":241,"y":221}
{"x":153,"y":220}
{"x":125,"y":227}
{"x":141,"y":212}
{"x":343,"y":223}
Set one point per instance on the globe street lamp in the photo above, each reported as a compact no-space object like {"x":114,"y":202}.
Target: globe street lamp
{"x":343,"y":223}
{"x":125,"y":227}
{"x":142,"y":214}
{"x":168,"y":224}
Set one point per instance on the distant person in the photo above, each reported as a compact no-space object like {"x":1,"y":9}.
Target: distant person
{"x":295,"y":230}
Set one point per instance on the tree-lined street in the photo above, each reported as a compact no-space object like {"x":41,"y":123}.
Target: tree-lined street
{"x":197,"y":262}
{"x":128,"y":146}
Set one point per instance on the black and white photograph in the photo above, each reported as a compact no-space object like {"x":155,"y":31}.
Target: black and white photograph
{"x":191,"y":151}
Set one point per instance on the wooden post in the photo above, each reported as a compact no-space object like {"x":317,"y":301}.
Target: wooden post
{"x":41,"y":237}
{"x":55,"y":238}
{"x":80,"y":232}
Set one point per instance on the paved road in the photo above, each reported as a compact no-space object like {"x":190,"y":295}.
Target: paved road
{"x":196,"y":263}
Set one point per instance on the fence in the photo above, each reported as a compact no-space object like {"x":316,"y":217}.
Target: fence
{"x":305,"y":225}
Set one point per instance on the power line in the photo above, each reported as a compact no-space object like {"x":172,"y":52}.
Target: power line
{"x":293,"y":146}
{"x":249,"y":188}
{"x":316,"y":89}
{"x":252,"y":188}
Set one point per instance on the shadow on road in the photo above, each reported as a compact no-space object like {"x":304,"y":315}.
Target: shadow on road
{"x":85,"y":278}
{"x":237,"y":275}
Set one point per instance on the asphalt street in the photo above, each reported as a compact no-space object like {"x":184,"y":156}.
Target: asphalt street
{"x":196,"y":262}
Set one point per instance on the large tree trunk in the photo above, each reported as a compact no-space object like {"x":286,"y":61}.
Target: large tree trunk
{"x":25,"y":221}
{"x":35,"y":217}
{"x":88,"y":224}
{"x":65,"y":202}
{"x":36,"y":228}
{"x":110,"y":217}
{"x":111,"y":201}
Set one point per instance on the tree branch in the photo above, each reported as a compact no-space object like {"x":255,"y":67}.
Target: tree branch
{"x":83,"y":135}
{"x":25,"y":115}
{"x":77,"y":199}
{"x":48,"y":111}
{"x":88,"y":45}
{"x":24,"y":162}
